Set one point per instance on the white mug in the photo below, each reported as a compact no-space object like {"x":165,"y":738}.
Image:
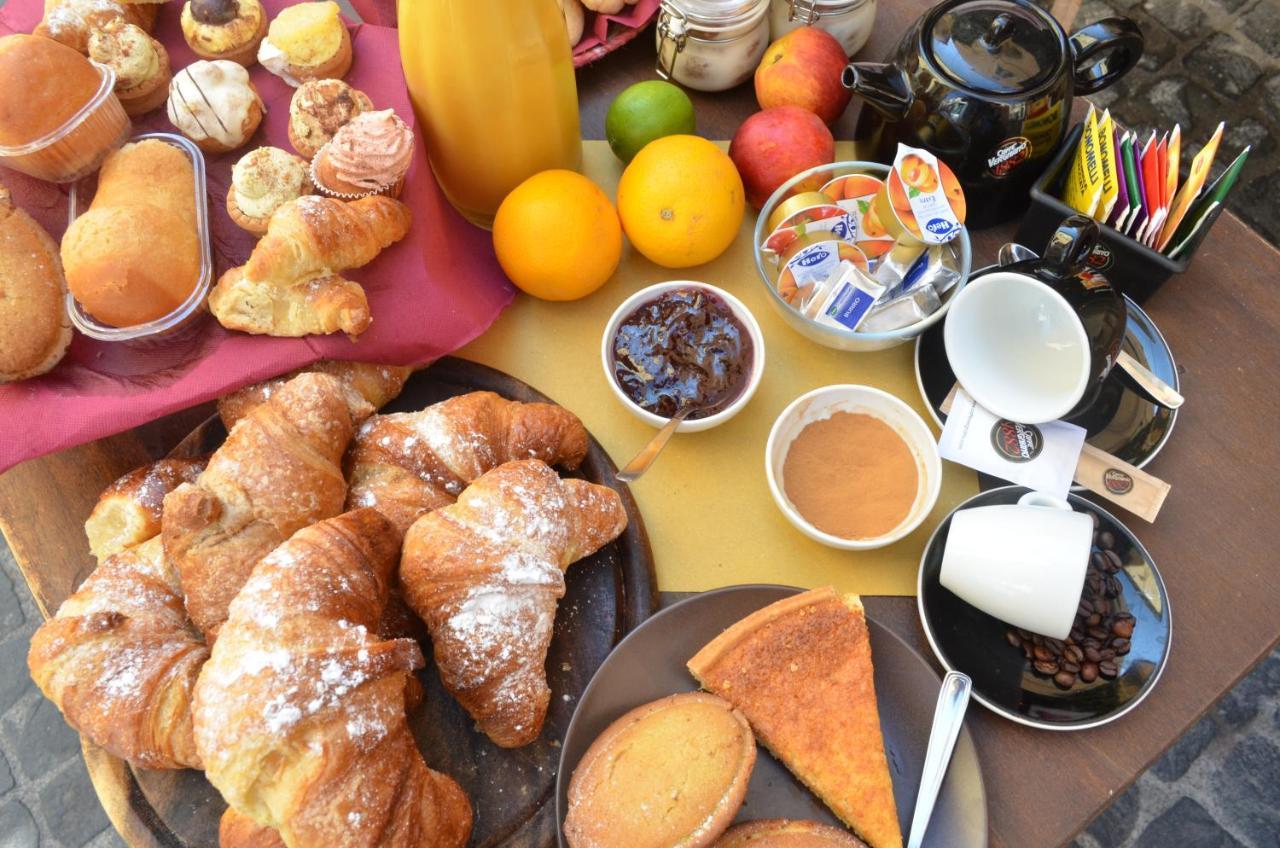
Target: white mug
{"x":1023,"y":563}
{"x":1017,"y":347}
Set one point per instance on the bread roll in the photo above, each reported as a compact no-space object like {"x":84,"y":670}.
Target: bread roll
{"x":34,"y":331}
{"x":45,"y":83}
{"x":134,"y":256}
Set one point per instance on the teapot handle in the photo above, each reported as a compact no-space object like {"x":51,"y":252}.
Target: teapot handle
{"x":1069,"y":247}
{"x":1103,"y":52}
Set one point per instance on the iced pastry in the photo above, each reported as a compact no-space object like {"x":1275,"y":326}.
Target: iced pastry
{"x":261,"y":182}
{"x":370,"y":155}
{"x":307,"y":41}
{"x":141,"y":64}
{"x":71,"y":22}
{"x":58,"y":116}
{"x":224,"y":29}
{"x":319,"y":109}
{"x":215,"y":105}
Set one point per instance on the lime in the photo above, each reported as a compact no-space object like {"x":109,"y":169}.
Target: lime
{"x":644,"y":112}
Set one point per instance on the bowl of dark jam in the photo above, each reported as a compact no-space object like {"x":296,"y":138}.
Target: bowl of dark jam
{"x":683,"y":345}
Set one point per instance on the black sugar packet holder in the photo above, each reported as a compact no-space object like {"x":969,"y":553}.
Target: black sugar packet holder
{"x":1133,"y":268}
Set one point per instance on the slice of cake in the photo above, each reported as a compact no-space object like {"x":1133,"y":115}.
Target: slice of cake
{"x":800,"y":671}
{"x":669,"y":774}
{"x":784,"y":833}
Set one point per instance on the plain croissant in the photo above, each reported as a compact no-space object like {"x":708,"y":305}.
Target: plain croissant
{"x":409,"y":463}
{"x":120,"y":659}
{"x":128,"y":511}
{"x":369,"y":387}
{"x":278,"y":471}
{"x":486,"y":573}
{"x":300,"y":712}
{"x":291,"y":285}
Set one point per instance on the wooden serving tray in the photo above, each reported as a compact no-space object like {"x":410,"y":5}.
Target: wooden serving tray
{"x":512,"y":791}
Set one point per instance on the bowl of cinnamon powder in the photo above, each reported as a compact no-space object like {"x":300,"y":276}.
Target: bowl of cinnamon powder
{"x":853,"y":467}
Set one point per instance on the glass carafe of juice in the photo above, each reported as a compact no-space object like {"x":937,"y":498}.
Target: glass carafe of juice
{"x":493,"y":88}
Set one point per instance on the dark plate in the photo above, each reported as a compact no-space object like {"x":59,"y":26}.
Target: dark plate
{"x":966,"y":639}
{"x":608,"y":594}
{"x":650,"y":664}
{"x":1121,"y":422}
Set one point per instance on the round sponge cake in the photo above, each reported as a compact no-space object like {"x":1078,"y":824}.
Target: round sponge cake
{"x":45,"y":83}
{"x":783,"y":833}
{"x":669,"y":774}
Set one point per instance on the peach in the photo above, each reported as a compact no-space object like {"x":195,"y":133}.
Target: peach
{"x":773,"y":146}
{"x":803,"y":69}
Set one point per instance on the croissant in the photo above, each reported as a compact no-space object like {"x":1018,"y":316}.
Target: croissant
{"x":290,"y":285}
{"x":486,"y":573}
{"x":278,"y":471}
{"x":120,"y":659}
{"x":128,"y":511}
{"x":409,"y":463}
{"x":300,"y":711}
{"x":369,"y":387}
{"x":236,"y":830}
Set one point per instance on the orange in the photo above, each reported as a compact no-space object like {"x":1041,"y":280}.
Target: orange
{"x":557,"y":236}
{"x":681,"y":201}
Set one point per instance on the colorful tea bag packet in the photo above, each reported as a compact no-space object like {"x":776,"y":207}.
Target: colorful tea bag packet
{"x":1191,"y":188}
{"x":1107,"y":166}
{"x":1195,"y":224}
{"x":1083,"y":191}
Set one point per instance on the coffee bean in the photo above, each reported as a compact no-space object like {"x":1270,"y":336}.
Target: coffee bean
{"x":1073,"y":653}
{"x":1107,"y":539}
{"x":1026,"y":650}
{"x":1097,"y":632}
{"x":1108,"y":669}
{"x":1122,"y":627}
{"x":1113,"y":561}
{"x":1085,"y":608}
{"x":1077,"y":634}
{"x":1064,"y":679}
{"x":1121,"y":646}
{"x":1092,"y":655}
{"x":1093,"y":621}
{"x":1025,"y":634}
{"x":1067,"y":665}
{"x":1089,"y":672}
{"x":1102,"y":608}
{"x":1091,"y":643}
{"x":1054,"y":645}
{"x":1046,"y":668}
{"x":1113,"y":587}
{"x":1108,"y":654}
{"x":1037,"y":639}
{"x":1013,"y":639}
{"x":1042,"y":653}
{"x":1098,"y":561}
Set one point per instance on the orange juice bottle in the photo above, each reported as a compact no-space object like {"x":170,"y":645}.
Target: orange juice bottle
{"x":493,"y":88}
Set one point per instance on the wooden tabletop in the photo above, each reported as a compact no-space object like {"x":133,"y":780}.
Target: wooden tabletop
{"x":1221,"y":318}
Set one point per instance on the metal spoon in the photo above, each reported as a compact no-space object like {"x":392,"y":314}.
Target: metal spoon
{"x":640,"y":464}
{"x":948,"y":718}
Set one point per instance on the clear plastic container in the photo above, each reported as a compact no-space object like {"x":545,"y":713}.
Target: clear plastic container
{"x":192,"y":308}
{"x":850,"y":21}
{"x":711,"y":45}
{"x":77,"y":148}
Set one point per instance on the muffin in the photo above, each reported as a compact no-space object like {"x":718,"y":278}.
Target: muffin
{"x":261,"y":182}
{"x":215,"y":105}
{"x":224,"y":29}
{"x":71,"y":22}
{"x":307,"y":41}
{"x":370,"y":155}
{"x":319,"y":109}
{"x":141,"y":64}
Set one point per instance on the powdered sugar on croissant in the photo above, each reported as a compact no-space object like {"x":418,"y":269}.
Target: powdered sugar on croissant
{"x":486,"y":573}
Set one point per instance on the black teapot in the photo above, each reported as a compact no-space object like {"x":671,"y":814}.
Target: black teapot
{"x":986,"y":86}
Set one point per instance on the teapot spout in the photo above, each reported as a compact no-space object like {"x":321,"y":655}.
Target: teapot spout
{"x":885,"y":87}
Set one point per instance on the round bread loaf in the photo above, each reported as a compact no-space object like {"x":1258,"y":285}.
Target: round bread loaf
{"x":784,"y":833}
{"x":45,"y":83}
{"x":34,"y":330}
{"x":669,"y":774}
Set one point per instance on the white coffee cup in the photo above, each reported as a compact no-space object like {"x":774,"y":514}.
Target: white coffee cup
{"x":1023,"y":563}
{"x":1018,"y":348}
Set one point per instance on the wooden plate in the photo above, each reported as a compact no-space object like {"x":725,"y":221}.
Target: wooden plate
{"x":650,"y":664}
{"x":511,"y":791}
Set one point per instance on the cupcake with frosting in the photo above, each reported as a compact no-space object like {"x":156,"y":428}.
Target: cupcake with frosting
{"x":370,"y":155}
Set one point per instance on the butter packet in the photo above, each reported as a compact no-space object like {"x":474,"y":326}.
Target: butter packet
{"x":813,"y":264}
{"x":849,"y":300}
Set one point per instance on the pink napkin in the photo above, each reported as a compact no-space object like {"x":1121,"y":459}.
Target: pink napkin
{"x":607,"y":32}
{"x":429,"y":294}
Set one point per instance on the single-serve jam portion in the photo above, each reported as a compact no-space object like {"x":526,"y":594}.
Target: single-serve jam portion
{"x":683,"y":348}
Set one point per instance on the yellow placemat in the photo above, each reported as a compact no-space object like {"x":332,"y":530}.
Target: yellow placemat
{"x":706,"y":503}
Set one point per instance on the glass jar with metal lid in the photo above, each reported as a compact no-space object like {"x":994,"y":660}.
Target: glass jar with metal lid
{"x":711,"y":45}
{"x":850,"y":21}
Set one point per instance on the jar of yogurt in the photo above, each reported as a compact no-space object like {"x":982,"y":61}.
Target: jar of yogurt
{"x":711,"y":45}
{"x":850,"y":21}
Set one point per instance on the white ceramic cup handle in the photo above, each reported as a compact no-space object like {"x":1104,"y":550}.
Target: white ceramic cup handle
{"x":1043,"y":500}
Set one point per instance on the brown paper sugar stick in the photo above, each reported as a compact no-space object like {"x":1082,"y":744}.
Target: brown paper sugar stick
{"x":1110,"y":477}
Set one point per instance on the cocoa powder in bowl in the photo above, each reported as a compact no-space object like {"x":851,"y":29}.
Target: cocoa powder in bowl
{"x":851,"y":475}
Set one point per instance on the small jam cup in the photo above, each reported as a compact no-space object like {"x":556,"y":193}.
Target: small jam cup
{"x":190,"y":310}
{"x":76,"y":148}
{"x":822,"y":403}
{"x":839,"y":337}
{"x":744,"y":317}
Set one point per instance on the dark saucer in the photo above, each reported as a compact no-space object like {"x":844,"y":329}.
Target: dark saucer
{"x":968,"y":640}
{"x":1121,"y":422}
